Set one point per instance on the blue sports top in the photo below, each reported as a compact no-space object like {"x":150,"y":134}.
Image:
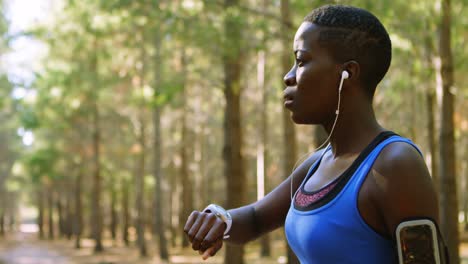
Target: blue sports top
{"x":336,"y":232}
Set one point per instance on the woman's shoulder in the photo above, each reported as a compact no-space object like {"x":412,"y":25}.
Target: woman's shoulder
{"x":400,"y":158}
{"x":403,"y":186}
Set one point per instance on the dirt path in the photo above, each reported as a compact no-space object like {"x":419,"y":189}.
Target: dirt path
{"x":22,"y":249}
{"x":25,"y":248}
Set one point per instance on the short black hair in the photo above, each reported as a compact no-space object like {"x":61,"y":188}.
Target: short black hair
{"x":351,"y":33}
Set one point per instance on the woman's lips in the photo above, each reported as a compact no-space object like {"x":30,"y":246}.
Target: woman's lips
{"x":288,"y":97}
{"x":288,"y":103}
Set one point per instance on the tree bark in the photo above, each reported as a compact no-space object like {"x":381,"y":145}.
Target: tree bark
{"x":50,"y":199}
{"x":185,"y":177}
{"x":432,"y":140}
{"x":2,"y":207}
{"x":78,"y":219}
{"x":40,"y":215}
{"x":60,"y":215}
{"x":140,"y":190}
{"x":125,"y":212}
{"x":69,"y":211}
{"x":172,"y":197}
{"x":265,"y":243}
{"x":96,"y":213}
{"x":232,"y":152}
{"x":448,"y":187}
{"x":2,"y":210}
{"x":464,"y":171}
{"x":158,"y":195}
{"x":290,"y":145}
{"x":2,"y":222}
{"x":113,"y":214}
{"x":13,"y":210}
{"x":157,"y":174}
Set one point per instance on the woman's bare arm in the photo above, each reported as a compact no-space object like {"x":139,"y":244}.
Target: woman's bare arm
{"x":269,"y":213}
{"x":251,"y":221}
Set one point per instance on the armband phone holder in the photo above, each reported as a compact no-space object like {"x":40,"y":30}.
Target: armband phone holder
{"x":418,"y":241}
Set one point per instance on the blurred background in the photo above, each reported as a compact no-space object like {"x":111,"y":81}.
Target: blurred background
{"x":120,"y":117}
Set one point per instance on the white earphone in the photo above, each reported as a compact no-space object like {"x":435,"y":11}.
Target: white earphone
{"x":344,"y":75}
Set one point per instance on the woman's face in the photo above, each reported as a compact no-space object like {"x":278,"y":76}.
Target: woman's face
{"x":312,"y":84}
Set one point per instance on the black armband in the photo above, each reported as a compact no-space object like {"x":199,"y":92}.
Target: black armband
{"x":256,"y":226}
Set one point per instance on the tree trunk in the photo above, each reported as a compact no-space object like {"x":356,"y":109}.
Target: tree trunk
{"x":12,"y":210}
{"x":448,"y":187}
{"x":2,"y":210}
{"x":60,"y":215}
{"x":40,"y":215}
{"x":432,"y":140}
{"x":173,"y":198}
{"x":113,"y":213}
{"x":265,"y":247}
{"x":159,"y":222}
{"x":290,"y":147}
{"x":141,"y":158}
{"x":69,"y":212}
{"x":50,"y":199}
{"x":78,"y":219}
{"x":186,"y":177}
{"x":2,"y":207}
{"x":96,"y":215}
{"x":140,"y":190}
{"x":157,"y":174}
{"x":125,"y":212}
{"x":232,"y":152}
{"x":464,"y":171}
{"x":207,"y":182}
{"x":96,"y":211}
{"x":429,"y":52}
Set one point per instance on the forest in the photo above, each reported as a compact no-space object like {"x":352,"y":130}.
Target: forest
{"x":132,"y":114}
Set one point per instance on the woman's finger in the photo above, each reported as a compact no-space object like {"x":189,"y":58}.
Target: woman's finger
{"x":213,"y":249}
{"x":190,"y":221}
{"x":196,"y":225}
{"x":215,"y":233}
{"x":200,"y":238}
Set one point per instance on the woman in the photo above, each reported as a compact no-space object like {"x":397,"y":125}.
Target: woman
{"x":350,"y":197}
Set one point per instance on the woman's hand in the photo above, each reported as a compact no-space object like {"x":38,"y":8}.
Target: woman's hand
{"x":218,"y":244}
{"x":205,"y":231}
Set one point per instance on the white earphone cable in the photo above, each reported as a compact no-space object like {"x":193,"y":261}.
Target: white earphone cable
{"x":337,"y":112}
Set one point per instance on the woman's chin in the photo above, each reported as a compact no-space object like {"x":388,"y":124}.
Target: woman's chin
{"x":298,"y":119}
{"x":301,"y":120}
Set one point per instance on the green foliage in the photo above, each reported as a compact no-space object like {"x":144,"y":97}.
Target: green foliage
{"x":41,"y":164}
{"x":28,"y":118}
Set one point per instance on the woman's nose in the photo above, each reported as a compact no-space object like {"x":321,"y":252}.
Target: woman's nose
{"x":290,"y":77}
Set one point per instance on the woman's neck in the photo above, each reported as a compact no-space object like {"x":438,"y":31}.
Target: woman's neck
{"x":354,"y":130}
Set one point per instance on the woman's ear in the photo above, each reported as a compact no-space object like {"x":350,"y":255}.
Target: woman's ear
{"x":354,"y":69}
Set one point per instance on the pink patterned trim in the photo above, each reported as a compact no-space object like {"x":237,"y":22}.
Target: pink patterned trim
{"x":303,"y":199}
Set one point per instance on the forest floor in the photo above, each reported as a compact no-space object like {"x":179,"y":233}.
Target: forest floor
{"x":25,"y":248}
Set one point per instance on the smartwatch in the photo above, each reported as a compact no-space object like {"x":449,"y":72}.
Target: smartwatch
{"x":222,"y":214}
